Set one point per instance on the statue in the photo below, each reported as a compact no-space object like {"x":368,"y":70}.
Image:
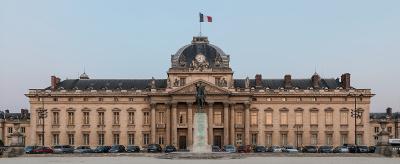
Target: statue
{"x":176,"y":83}
{"x":153,"y":83}
{"x":200,"y":97}
{"x":247,"y":83}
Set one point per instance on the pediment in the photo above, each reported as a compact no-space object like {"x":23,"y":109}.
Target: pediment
{"x":190,"y":89}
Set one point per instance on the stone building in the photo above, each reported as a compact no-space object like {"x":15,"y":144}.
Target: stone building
{"x":392,"y":125}
{"x":7,"y":125}
{"x":310,"y":111}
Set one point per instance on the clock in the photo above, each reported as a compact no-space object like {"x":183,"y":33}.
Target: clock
{"x":200,"y":58}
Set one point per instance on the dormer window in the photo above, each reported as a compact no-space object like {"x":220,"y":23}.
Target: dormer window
{"x":182,"y":81}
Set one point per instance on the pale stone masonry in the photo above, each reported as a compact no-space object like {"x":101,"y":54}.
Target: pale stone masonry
{"x":247,"y":111}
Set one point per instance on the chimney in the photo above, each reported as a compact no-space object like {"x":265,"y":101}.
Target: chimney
{"x":315,"y":80}
{"x":345,"y":81}
{"x":54,"y":81}
{"x":389,"y":112}
{"x":288,"y":81}
{"x":258,"y":80}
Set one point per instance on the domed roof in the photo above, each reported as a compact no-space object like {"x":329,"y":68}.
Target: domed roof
{"x":214,"y":56}
{"x":84,"y":76}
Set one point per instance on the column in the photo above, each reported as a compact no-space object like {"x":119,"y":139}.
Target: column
{"x":174,"y":131}
{"x":210,"y":123}
{"x":226,"y":124}
{"x":247,"y":124}
{"x":153,"y":123}
{"x":168,"y":124}
{"x":232,"y":124}
{"x":190,"y":125}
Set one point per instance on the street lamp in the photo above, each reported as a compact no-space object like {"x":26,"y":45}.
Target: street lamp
{"x":355,"y":113}
{"x":42,"y":114}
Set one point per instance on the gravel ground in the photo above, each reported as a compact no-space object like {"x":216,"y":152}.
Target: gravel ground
{"x":151,"y":160}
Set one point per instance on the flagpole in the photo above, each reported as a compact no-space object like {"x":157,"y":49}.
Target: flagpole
{"x":200,"y":28}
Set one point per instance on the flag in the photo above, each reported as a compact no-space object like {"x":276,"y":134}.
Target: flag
{"x":205,"y":18}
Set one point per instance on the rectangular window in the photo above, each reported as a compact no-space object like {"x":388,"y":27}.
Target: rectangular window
{"x":101,"y":118}
{"x":182,"y":117}
{"x":268,"y":118}
{"x":161,"y":117}
{"x":86,"y":118}
{"x":299,"y":139}
{"x":328,"y":118}
{"x":284,"y":118}
{"x":86,"y":139}
{"x":131,"y":118}
{"x":182,"y":81}
{"x":376,"y":129}
{"x":343,"y":139}
{"x":10,"y":130}
{"x":40,"y":139}
{"x":56,"y":118}
{"x":146,"y":118}
{"x":299,"y":118}
{"x":39,"y":119}
{"x":268,"y":139}
{"x":56,"y":138}
{"x":343,"y":118}
{"x":284,"y":139}
{"x":389,"y":129}
{"x":359,"y":139}
{"x":71,"y":139}
{"x":22,"y":129}
{"x":217,"y":118}
{"x":71,"y":118}
{"x":314,"y":139}
{"x":314,"y":118}
{"x":253,"y":118}
{"x":146,"y":139}
{"x":116,"y":118}
{"x":161,"y":139}
{"x":116,"y":139}
{"x":217,"y":80}
{"x":254,"y":139}
{"x":239,"y":118}
{"x":101,"y":139}
{"x":328,"y":139}
{"x":239,"y":139}
{"x":131,"y":139}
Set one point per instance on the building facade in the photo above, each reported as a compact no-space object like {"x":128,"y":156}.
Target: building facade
{"x":392,"y":125}
{"x":8,"y":123}
{"x":310,"y":111}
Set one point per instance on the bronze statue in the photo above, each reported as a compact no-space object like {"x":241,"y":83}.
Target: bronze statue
{"x":200,"y":97}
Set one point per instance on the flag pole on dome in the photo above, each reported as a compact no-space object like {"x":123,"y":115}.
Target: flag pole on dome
{"x":204,"y":18}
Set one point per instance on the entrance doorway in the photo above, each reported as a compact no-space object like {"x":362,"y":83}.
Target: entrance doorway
{"x":182,"y":142}
{"x":218,"y":141}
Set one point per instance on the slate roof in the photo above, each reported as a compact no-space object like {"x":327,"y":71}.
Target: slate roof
{"x":383,"y":115}
{"x":14,"y":116}
{"x":142,"y":84}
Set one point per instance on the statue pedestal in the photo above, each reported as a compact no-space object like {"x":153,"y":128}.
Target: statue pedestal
{"x":200,"y":134}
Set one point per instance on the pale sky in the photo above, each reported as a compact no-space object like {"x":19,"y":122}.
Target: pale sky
{"x":135,"y":39}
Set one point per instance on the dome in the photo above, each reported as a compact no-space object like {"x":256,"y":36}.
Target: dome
{"x":84,"y":76}
{"x":211,"y":54}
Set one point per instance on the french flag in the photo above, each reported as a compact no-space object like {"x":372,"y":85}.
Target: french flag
{"x":205,"y":18}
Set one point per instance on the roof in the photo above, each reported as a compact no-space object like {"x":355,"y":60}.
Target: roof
{"x":296,"y":83}
{"x":14,"y":116}
{"x":383,"y":115}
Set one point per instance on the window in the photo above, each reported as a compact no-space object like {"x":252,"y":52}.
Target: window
{"x":359,"y":139}
{"x":254,"y":139}
{"x":299,"y":118}
{"x":328,"y":118}
{"x":344,"y":118}
{"x":70,"y":118}
{"x":314,"y":118}
{"x":71,"y":139}
{"x":269,"y":99}
{"x":56,"y":118}
{"x":56,"y":139}
{"x":101,"y":118}
{"x":161,"y":118}
{"x":116,"y":139}
{"x":268,"y":139}
{"x":101,"y":139}
{"x":239,"y":139}
{"x":284,"y":139}
{"x":328,"y":139}
{"x":182,"y":81}
{"x":22,"y":129}
{"x":40,"y":139}
{"x":284,"y":99}
{"x":70,"y":99}
{"x":146,"y":138}
{"x":217,"y":80}
{"x":161,"y":139}
{"x":217,"y":118}
{"x":343,"y":139}
{"x":299,"y":139}
{"x":239,"y":118}
{"x":116,"y":118}
{"x":284,"y":118}
{"x":39,"y":119}
{"x":85,"y":99}
{"x":131,"y":99}
{"x":376,"y":129}
{"x":85,"y":117}
{"x":86,"y":139}
{"x":131,"y":118}
{"x":55,"y":99}
{"x":314,"y":139}
{"x":10,"y":130}
{"x":182,"y":117}
{"x":268,"y":118}
{"x":253,"y":118}
{"x":313,"y":99}
{"x":389,"y":129}
{"x":115,"y":99}
{"x":131,"y":139}
{"x":146,"y":118}
{"x":100,"y":99}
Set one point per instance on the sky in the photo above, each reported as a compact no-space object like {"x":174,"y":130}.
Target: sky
{"x":135,"y":39}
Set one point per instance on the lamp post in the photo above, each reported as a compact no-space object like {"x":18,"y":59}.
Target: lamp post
{"x":355,"y":113}
{"x":42,"y":114}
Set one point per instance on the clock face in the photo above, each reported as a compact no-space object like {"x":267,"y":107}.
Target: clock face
{"x":200,"y":58}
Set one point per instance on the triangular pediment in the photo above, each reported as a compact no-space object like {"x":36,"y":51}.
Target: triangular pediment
{"x":190,"y":89}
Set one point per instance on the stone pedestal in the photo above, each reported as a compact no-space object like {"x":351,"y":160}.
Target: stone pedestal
{"x":200,"y":135}
{"x":383,"y":147}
